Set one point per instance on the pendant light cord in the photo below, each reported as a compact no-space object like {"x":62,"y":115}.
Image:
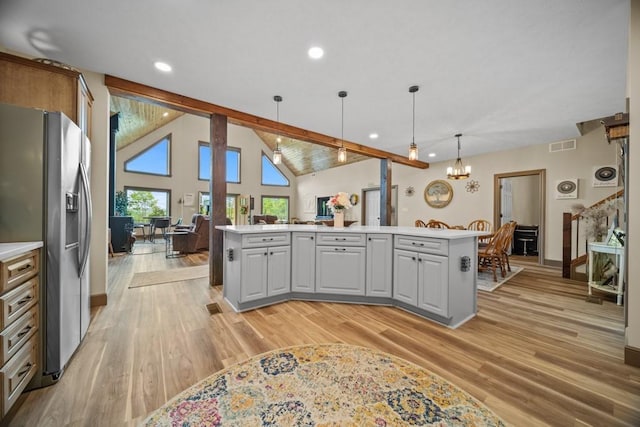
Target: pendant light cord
{"x":342,"y":126}
{"x":413,"y":132}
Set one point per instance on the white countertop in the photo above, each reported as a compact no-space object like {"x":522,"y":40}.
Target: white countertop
{"x":407,"y":231}
{"x":9,"y":250}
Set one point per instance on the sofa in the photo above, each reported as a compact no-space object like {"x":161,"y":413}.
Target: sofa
{"x":195,"y":237}
{"x":264,"y":219}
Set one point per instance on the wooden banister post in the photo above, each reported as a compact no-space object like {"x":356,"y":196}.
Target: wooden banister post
{"x":566,"y":245}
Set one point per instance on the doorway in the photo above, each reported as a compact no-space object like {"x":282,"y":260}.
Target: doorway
{"x":521,"y":197}
{"x":371,"y":206}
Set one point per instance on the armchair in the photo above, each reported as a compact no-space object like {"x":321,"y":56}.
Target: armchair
{"x":195,"y":238}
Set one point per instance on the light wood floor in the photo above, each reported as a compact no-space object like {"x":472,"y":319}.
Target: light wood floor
{"x":536,"y":354}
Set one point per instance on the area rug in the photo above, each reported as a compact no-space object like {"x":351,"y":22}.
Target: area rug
{"x":486,"y":283}
{"x":167,"y":276}
{"x":322,"y":385}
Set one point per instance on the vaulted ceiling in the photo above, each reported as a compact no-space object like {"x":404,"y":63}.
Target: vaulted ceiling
{"x":504,"y":73}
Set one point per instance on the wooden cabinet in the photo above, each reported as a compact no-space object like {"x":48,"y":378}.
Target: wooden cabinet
{"x":379,"y":265}
{"x":421,"y":274}
{"x":303,"y":262}
{"x":340,"y":264}
{"x":19,"y":324}
{"x":29,"y":83}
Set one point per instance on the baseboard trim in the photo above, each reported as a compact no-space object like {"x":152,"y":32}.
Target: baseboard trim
{"x":98,"y":300}
{"x":552,"y":263}
{"x":632,"y":356}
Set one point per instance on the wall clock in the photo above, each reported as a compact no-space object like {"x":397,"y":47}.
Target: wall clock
{"x":438,"y":193}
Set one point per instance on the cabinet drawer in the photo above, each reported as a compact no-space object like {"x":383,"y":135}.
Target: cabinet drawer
{"x":265,"y":239}
{"x":17,"y":372}
{"x":341,"y":239}
{"x":17,"y":269}
{"x":12,"y":338}
{"x":422,"y":244}
{"x":16,"y":302}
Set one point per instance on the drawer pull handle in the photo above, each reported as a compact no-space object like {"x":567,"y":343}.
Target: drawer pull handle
{"x":25,"y":331}
{"x":25,"y":300}
{"x":264,"y":239}
{"x":339,"y":249}
{"x":417,"y":244}
{"x":343,"y":239}
{"x":25,"y":369}
{"x":24,"y":267}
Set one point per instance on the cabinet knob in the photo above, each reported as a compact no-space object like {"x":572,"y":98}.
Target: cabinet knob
{"x":266,"y":253}
{"x":271,"y":253}
{"x":311,"y":237}
{"x":369,"y":238}
{"x":413,"y":258}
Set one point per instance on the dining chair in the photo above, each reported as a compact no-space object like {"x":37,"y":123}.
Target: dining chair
{"x":491,"y":257}
{"x":481,"y":225}
{"x":420,"y":223}
{"x":506,"y":244}
{"x":434,"y":223}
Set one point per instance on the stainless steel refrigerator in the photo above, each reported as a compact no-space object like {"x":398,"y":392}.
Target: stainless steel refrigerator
{"x":45,"y":196}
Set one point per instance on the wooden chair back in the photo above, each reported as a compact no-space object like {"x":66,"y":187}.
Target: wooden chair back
{"x":479,"y":225}
{"x":420,"y":223}
{"x":434,"y":223}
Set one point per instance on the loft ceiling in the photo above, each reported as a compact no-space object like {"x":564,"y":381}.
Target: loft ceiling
{"x":138,"y":119}
{"x":504,"y":73}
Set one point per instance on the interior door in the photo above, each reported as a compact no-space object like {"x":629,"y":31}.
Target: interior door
{"x":524,"y":201}
{"x":372,"y":207}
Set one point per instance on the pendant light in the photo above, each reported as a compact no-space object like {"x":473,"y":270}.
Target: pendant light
{"x":458,"y":170}
{"x":342,"y":152}
{"x":277,"y":154}
{"x":413,"y":148}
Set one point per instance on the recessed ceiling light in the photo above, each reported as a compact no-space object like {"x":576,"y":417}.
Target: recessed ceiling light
{"x":432,"y":154}
{"x":162,"y":66}
{"x":165,"y":114}
{"x":373,"y":135}
{"x":315,"y":52}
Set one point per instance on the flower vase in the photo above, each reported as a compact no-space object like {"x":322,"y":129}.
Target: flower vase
{"x":338,"y":219}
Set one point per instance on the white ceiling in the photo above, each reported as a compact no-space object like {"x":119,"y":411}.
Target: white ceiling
{"x":505,"y":73}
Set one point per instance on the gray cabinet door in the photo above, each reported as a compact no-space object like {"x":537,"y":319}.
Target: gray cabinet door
{"x":303,"y":262}
{"x":405,"y":276}
{"x":433,"y":281}
{"x":279,"y":270}
{"x":253,"y":284}
{"x":340,"y":270}
{"x":379,"y":265}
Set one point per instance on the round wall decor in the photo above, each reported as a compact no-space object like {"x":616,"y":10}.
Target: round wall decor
{"x":438,"y":193}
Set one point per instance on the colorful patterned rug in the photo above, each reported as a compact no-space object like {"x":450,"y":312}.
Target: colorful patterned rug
{"x":323,"y":385}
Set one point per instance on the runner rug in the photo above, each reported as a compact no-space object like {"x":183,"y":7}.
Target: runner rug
{"x":328,"y":384}
{"x":486,"y":283}
{"x":167,"y":276}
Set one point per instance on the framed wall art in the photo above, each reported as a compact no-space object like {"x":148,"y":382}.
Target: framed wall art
{"x":438,"y":193}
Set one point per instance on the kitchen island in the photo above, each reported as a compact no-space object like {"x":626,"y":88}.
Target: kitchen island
{"x":429,"y":272}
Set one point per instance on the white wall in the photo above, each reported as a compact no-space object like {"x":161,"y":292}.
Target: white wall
{"x":633,"y":247}
{"x":99,"y":181}
{"x":592,"y":150}
{"x":186,"y":132}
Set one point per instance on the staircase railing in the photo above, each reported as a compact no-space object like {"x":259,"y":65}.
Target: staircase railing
{"x":575,"y":255}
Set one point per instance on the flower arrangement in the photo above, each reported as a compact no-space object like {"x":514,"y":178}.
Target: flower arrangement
{"x":596,"y":218}
{"x":339,"y":202}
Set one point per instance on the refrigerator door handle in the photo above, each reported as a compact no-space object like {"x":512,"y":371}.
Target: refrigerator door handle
{"x":88,"y":218}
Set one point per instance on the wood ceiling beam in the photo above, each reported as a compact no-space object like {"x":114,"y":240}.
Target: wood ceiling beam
{"x":144,"y":93}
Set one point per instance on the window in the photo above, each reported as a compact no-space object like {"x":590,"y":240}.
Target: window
{"x":271,"y":175}
{"x":233,"y":163}
{"x":276,"y":205}
{"x":154,"y":160}
{"x":145,"y":202}
{"x":230,"y":205}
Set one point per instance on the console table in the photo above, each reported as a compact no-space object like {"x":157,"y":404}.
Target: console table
{"x":618,"y":251}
